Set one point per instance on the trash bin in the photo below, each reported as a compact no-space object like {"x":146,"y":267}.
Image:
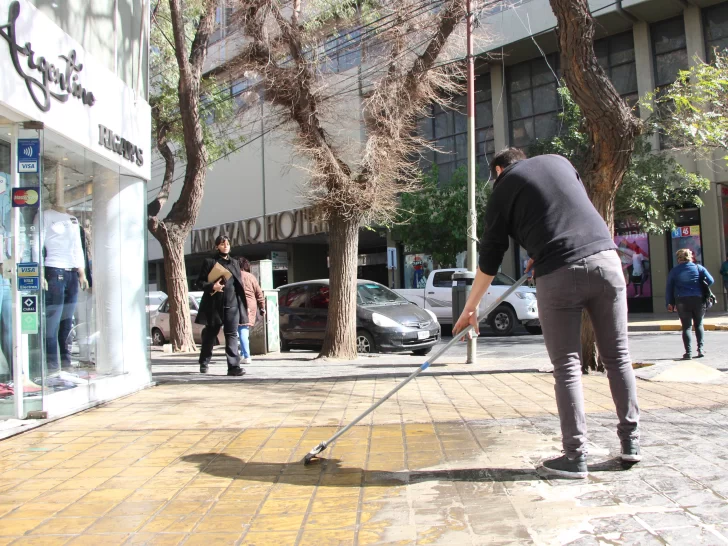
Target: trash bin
{"x":462,"y":284}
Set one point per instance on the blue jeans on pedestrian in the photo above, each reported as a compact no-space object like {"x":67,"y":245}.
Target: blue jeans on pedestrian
{"x":244,"y":335}
{"x":60,"y":305}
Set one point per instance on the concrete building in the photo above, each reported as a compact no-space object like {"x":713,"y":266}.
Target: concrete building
{"x":641,"y":43}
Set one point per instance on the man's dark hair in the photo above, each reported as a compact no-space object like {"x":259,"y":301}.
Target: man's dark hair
{"x":504,"y":158}
{"x":244,"y":263}
{"x":220,"y":239}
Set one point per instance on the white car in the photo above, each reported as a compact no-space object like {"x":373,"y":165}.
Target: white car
{"x":519,"y":307}
{"x":154,"y":300}
{"x":160,"y":321}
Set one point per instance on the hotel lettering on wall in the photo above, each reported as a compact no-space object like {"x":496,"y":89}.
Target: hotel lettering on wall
{"x":274,"y":227}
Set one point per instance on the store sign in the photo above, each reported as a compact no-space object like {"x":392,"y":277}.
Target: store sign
{"x":271,"y":228}
{"x":686,"y":231}
{"x":25,"y":197}
{"x":48,"y":77}
{"x":28,"y":276}
{"x":44,"y":80}
{"x":120,"y":146}
{"x":391,"y":257}
{"x":279,"y":259}
{"x":28,"y":155}
{"x":29,"y":315}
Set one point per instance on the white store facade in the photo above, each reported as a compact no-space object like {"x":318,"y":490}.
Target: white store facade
{"x":75,"y":156}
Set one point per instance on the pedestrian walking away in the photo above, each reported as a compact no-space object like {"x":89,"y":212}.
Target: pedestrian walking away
{"x":542,"y":204}
{"x":223,"y":305}
{"x":685,"y":293}
{"x":255,"y":303}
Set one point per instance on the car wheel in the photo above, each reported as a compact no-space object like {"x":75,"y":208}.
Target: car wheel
{"x":502,"y":320}
{"x":535,"y":330}
{"x":157,"y":337}
{"x":364,"y":342}
{"x":422,"y":352}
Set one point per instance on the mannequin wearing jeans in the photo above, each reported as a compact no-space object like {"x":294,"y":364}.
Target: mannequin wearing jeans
{"x":64,"y":273}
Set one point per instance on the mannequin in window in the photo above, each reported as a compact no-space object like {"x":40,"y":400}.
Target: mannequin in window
{"x":6,"y":319}
{"x":63,"y":274}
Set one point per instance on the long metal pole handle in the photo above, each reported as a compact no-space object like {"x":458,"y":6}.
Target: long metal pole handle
{"x":431,"y":360}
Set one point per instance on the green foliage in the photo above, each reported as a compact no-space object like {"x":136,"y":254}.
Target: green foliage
{"x":654,"y":188}
{"x":217,"y":109}
{"x":435,"y":217}
{"x":324,"y":13}
{"x":693,"y":111}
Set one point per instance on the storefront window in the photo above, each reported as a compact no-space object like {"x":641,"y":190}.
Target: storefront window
{"x":634,"y":252}
{"x":687,"y":234}
{"x":724,"y":199}
{"x":73,"y":253}
{"x":417,"y":267}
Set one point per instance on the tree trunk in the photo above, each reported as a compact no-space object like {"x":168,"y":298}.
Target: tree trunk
{"x":611,"y":124}
{"x":340,"y":338}
{"x":175,"y":274}
{"x":604,"y":203}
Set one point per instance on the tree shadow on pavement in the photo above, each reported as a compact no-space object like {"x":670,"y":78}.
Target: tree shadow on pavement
{"x":331,"y":472}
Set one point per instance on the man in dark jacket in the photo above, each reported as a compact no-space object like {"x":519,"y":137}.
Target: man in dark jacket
{"x":223,"y":304}
{"x":541,"y":203}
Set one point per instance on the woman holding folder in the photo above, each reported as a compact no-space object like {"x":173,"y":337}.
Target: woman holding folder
{"x":223,"y":304}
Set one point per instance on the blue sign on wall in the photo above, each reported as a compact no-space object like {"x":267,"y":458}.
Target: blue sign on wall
{"x":28,"y":155}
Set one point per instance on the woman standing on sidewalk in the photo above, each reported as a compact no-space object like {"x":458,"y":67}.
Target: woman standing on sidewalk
{"x":684,"y":294}
{"x":255,"y":301}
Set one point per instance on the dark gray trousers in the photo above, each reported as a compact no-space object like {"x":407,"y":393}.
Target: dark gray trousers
{"x":595,"y":284}
{"x":691,"y":309}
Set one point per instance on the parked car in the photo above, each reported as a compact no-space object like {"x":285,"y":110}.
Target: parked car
{"x":519,"y":307}
{"x":160,"y":320}
{"x":385,"y":321}
{"x":154,"y":300}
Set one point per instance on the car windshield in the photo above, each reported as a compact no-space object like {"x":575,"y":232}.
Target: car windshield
{"x":376,"y":294}
{"x":155,"y":300}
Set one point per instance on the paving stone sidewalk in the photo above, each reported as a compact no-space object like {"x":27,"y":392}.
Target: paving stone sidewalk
{"x":450,"y":460}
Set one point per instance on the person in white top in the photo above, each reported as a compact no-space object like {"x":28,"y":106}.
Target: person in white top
{"x":63,"y":274}
{"x":638,"y":272}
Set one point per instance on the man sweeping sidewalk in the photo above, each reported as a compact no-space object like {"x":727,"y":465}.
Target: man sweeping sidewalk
{"x":541,"y":203}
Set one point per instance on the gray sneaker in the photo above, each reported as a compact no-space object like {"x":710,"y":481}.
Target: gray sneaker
{"x":563,"y":467}
{"x":631,"y":451}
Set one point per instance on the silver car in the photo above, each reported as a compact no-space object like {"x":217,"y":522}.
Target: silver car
{"x":160,"y":320}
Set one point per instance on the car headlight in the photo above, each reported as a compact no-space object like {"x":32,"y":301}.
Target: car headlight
{"x":526,"y":295}
{"x":384,"y":322}
{"x":433,"y":316}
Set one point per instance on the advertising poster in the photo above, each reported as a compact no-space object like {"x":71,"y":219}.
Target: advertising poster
{"x":688,"y":237}
{"x":634,"y":251}
{"x":416,"y":269}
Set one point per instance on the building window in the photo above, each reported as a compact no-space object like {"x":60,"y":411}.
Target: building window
{"x":715,"y":20}
{"x":616,"y":56}
{"x":223,"y":21}
{"x":342,"y":51}
{"x":670,"y":52}
{"x":533,"y":100}
{"x":447,"y":129}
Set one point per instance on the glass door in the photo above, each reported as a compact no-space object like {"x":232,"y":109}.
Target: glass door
{"x":7,"y":384}
{"x":20,"y":350}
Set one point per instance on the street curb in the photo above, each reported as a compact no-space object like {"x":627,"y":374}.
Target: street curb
{"x":673,"y":327}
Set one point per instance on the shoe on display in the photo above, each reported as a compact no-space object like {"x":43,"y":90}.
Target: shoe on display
{"x":73,"y":378}
{"x":631,"y":451}
{"x":564,"y":467}
{"x":237,"y":371}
